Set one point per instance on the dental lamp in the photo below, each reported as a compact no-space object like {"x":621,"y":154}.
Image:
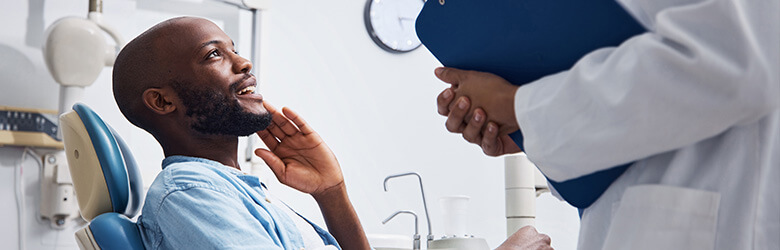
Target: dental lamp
{"x":75,"y":51}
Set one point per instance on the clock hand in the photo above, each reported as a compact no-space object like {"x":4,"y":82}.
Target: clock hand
{"x":401,"y":19}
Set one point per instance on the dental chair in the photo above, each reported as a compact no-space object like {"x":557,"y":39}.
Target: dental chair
{"x":106,"y":180}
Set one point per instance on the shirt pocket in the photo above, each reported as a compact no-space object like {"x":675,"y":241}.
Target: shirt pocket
{"x":664,"y":217}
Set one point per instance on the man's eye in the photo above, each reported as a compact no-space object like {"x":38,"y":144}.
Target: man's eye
{"x":213,"y":54}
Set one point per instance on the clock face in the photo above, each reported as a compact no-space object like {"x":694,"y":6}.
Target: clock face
{"x":391,"y":23}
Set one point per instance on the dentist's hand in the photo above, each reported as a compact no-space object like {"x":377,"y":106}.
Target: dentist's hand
{"x":487,"y":91}
{"x":527,"y":238}
{"x":474,"y":129}
{"x":298,"y":156}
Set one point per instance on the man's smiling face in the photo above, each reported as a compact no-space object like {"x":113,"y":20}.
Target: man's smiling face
{"x":212,"y":80}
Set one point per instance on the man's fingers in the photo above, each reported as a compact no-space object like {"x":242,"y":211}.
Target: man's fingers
{"x":543,"y":242}
{"x":277,"y":165}
{"x":454,"y":121}
{"x":269,"y":140}
{"x":298,"y":120}
{"x":473,"y":131}
{"x":283,"y":126}
{"x":546,"y":239}
{"x":284,"y":123}
{"x":490,"y":144}
{"x":276,"y":131}
{"x":526,"y":238}
{"x":444,"y":100}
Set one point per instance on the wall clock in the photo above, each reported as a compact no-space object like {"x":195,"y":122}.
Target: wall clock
{"x":390,"y":23}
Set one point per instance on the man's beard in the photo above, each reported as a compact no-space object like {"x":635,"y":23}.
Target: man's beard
{"x":218,"y":114}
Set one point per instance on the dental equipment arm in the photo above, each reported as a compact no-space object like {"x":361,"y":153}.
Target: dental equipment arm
{"x":425,"y":204}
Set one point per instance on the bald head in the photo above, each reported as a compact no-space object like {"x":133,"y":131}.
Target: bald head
{"x":150,"y":61}
{"x":183,"y":79}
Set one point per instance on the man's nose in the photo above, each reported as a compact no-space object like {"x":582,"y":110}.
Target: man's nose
{"x":242,"y":65}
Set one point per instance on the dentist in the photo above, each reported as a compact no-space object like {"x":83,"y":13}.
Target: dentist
{"x":694,"y":103}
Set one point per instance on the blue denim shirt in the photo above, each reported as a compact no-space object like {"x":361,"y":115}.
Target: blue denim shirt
{"x":195,"y":203}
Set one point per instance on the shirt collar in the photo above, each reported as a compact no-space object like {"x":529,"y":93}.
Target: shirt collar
{"x":181,"y":158}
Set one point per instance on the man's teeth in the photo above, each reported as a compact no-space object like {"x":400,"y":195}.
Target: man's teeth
{"x":247,"y":90}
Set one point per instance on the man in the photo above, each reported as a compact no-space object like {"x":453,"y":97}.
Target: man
{"x":694,"y":103}
{"x":184,"y":83}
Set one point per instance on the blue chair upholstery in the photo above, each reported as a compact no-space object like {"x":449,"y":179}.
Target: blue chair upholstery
{"x":115,"y":231}
{"x":106,"y":179}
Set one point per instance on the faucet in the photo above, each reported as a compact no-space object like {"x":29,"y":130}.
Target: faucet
{"x":416,"y":245}
{"x":425,"y":205}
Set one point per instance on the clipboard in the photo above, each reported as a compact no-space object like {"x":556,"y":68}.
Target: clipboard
{"x":522,"y":41}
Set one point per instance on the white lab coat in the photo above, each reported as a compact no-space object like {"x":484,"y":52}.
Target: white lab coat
{"x":696,"y":103}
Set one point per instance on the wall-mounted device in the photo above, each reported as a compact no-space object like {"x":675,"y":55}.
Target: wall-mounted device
{"x":29,"y":127}
{"x":58,"y":200}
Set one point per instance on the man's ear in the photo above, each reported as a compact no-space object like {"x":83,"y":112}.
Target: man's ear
{"x":159,"y":100}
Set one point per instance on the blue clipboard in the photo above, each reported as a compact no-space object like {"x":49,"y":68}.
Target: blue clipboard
{"x":522,"y":41}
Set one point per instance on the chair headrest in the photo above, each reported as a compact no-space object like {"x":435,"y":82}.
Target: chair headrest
{"x":105,"y":175}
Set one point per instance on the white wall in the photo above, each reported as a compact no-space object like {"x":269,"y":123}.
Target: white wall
{"x":375,"y":110}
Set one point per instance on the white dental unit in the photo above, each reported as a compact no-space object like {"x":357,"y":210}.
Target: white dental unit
{"x":523,"y":184}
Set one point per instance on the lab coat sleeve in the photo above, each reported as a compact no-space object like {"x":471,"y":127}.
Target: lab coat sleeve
{"x":207,"y":218}
{"x":703,"y":68}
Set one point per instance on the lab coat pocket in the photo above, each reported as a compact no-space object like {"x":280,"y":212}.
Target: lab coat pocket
{"x":664,"y":217}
